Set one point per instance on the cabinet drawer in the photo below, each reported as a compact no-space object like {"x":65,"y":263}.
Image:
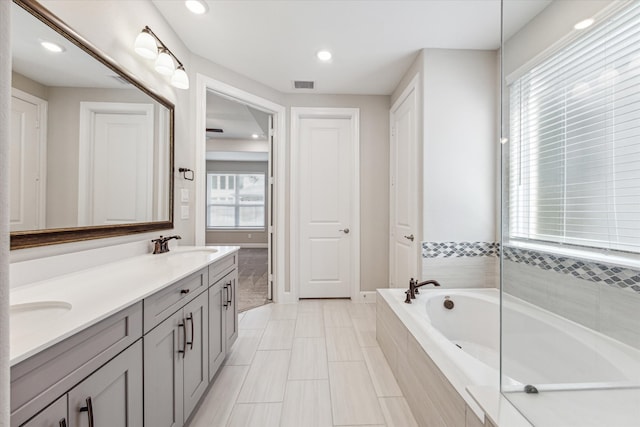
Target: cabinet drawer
{"x":219,"y":269}
{"x":41,"y":379}
{"x":163,"y":304}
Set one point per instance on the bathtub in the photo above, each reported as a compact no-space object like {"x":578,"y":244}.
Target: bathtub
{"x":539,"y":347}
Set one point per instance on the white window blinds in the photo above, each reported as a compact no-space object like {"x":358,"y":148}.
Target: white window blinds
{"x":574,"y":160}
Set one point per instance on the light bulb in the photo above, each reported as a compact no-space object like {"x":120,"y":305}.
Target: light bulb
{"x":146,"y":46}
{"x":164,"y":63}
{"x":52,"y":47}
{"x":180,"y":79}
{"x":585,"y":23}
{"x":198,"y":7}
{"x":324,"y":55}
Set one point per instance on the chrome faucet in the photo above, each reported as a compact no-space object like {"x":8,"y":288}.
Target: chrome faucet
{"x":413,"y":288}
{"x":161,"y":245}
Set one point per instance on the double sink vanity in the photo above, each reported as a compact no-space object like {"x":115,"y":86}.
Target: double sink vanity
{"x":129,"y":343}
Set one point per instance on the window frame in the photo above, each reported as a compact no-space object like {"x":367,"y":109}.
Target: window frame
{"x":236,"y":205}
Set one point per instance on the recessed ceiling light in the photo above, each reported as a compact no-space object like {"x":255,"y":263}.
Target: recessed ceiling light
{"x":198,"y":7}
{"x":52,"y":47}
{"x":324,"y":55}
{"x":586,"y":23}
{"x":255,"y":136}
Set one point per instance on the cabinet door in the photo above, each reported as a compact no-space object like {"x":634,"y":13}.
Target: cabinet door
{"x":53,"y":416}
{"x":231,"y":309}
{"x":111,"y":396}
{"x":196,"y":359}
{"x":217,"y":317}
{"x":163,"y":362}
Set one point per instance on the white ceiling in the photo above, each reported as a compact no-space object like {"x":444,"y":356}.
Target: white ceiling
{"x":238,"y":121}
{"x":373,"y":41}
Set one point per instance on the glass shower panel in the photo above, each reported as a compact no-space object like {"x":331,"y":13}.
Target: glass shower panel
{"x":570,"y":253}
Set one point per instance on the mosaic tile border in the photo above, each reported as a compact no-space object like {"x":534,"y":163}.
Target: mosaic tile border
{"x":459,"y":249}
{"x":618,"y":277}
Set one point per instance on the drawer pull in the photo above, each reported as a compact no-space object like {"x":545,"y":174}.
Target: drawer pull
{"x":230,"y":293}
{"x":184,"y":291}
{"x":190,"y":319}
{"x":226,"y":299}
{"x":184,"y":338}
{"x":63,"y":422}
{"x":89,"y":410}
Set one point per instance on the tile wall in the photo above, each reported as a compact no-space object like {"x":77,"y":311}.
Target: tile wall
{"x":461,"y":264}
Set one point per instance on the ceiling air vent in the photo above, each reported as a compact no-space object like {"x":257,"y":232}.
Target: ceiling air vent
{"x":302,"y":84}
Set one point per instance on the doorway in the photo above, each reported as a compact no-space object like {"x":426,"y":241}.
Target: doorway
{"x":325,"y":202}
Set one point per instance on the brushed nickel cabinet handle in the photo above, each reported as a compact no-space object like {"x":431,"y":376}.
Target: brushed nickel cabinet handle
{"x":190,"y":319}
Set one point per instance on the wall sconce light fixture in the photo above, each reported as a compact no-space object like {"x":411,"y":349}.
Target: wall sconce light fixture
{"x":149,"y":46}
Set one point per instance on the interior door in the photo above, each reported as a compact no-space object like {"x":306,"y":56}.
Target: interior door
{"x":116,"y":164}
{"x":270,"y":216}
{"x":404,"y":242}
{"x":325,"y":206}
{"x":26,"y":194}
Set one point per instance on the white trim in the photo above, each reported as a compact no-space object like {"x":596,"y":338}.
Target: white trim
{"x":42,"y":108}
{"x":204,"y":83}
{"x":352,"y":114}
{"x":366,"y":297}
{"x":412,"y":86}
{"x":249,"y":245}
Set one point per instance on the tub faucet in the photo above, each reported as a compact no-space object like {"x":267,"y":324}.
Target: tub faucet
{"x":413,"y":288}
{"x":161,"y":245}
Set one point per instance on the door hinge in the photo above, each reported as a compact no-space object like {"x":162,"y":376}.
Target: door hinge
{"x":271,"y":180}
{"x":270,"y":229}
{"x":393,"y":131}
{"x":37,"y":124}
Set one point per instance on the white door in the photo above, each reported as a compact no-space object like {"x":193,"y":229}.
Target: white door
{"x":116,"y":164}
{"x":270,"y":219}
{"x":404,"y":249}
{"x":327,"y":200}
{"x":26,"y":151}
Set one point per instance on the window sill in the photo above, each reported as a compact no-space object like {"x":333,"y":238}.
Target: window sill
{"x":620,"y":259}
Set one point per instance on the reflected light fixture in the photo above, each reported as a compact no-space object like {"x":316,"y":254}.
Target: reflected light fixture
{"x":585,"y":23}
{"x":52,"y":47}
{"x":149,"y":46}
{"x":255,"y":136}
{"x":199,"y":7}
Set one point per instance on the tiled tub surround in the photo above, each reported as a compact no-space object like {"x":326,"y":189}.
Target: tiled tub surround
{"x":438,"y":354}
{"x":461,"y":264}
{"x":602,"y":297}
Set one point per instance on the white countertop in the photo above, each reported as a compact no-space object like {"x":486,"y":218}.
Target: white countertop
{"x":98,"y":292}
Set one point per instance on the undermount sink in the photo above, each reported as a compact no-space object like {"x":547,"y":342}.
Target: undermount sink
{"x":34,"y":311}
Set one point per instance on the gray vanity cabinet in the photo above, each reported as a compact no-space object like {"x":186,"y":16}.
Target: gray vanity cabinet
{"x":223,"y":320}
{"x":53,"y":416}
{"x":176,"y":365}
{"x":111,"y":396}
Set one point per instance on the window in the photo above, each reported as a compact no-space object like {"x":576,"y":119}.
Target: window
{"x":235,"y":200}
{"x":574,"y":165}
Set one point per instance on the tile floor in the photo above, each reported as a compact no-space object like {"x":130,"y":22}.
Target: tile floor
{"x":315,"y":363}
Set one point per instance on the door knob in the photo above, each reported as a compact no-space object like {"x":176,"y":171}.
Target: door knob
{"x":345,"y":231}
{"x":410,"y":237}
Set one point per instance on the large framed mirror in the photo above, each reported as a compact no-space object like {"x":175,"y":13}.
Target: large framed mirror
{"x":91,"y":147}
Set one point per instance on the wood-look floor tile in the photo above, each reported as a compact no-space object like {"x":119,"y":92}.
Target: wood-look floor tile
{"x":284,"y":311}
{"x":310,"y":306}
{"x":256,"y":415}
{"x":337,"y":316}
{"x":221,"y":397}
{"x":308,"y":359}
{"x":383,"y":380}
{"x":396,"y":412}
{"x":308,"y":404}
{"x":256,"y":318}
{"x":342,"y":345}
{"x":278,"y":335}
{"x":245,"y":347}
{"x":309,"y":325}
{"x":353,"y":400}
{"x":267,"y":377}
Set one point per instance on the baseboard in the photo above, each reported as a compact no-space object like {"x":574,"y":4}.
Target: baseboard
{"x":367,"y":297}
{"x":243,"y":245}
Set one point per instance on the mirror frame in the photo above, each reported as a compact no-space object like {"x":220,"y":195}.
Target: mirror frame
{"x":33,"y":238}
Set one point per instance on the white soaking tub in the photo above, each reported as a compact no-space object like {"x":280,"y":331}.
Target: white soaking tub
{"x":539,"y":347}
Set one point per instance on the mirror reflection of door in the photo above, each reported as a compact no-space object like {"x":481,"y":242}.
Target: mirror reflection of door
{"x":115,"y":181}
{"x":27,"y":152}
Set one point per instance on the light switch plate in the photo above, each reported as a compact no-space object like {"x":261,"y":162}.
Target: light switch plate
{"x":184,"y":195}
{"x":184,"y":212}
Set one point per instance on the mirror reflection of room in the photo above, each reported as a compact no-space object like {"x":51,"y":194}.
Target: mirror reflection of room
{"x":88,"y":148}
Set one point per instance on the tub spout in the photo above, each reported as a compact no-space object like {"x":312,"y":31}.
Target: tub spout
{"x":414,"y":285}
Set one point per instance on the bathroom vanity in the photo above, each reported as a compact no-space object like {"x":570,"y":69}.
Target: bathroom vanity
{"x":130,"y":343}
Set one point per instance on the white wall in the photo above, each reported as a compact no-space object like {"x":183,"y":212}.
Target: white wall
{"x":460,"y":142}
{"x":5,"y":108}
